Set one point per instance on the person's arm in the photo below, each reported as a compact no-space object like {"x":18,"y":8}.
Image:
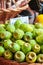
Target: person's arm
{"x":22,"y":8}
{"x":30,"y":10}
{"x":24,"y":2}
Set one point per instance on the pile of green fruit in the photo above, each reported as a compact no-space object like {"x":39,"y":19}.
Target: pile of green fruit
{"x":21,"y":42}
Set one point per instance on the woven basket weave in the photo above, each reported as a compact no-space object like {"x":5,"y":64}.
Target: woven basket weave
{"x":11,"y":62}
{"x":7,"y":14}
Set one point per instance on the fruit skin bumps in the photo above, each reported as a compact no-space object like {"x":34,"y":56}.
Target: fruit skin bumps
{"x":32,"y":42}
{"x":18,"y":34}
{"x":28,"y":36}
{"x":14,"y":47}
{"x":2,"y":50}
{"x":10,"y":28}
{"x":39,"y":39}
{"x":26,"y":48}
{"x":38,"y":26}
{"x":40,"y":58}
{"x":19,"y":56}
{"x":26,"y":27}
{"x":31,"y":57}
{"x":5,"y":35}
{"x":17,"y":23}
{"x":39,"y":31}
{"x":42,"y":49}
{"x":36,"y":48}
{"x":8,"y":55}
{"x":6,"y":43}
{"x":39,"y":19}
{"x":21,"y":42}
{"x":2,"y":28}
{"x":3,"y":25}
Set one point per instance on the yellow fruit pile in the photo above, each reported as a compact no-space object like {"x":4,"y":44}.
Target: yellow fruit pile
{"x":39,"y":19}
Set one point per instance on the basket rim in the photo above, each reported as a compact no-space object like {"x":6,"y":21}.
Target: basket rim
{"x":13,"y":61}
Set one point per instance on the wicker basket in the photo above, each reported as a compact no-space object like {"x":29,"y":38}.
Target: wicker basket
{"x":7,"y":14}
{"x":11,"y":62}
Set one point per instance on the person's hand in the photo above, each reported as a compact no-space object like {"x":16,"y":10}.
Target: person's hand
{"x":24,"y":2}
{"x":18,"y":9}
{"x":23,"y":8}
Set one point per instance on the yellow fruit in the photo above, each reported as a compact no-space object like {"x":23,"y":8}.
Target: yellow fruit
{"x":39,"y":19}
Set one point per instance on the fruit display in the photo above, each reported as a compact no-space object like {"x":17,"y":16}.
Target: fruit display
{"x":31,"y":57}
{"x":39,"y":39}
{"x":40,"y":58}
{"x":7,"y":43}
{"x":14,"y":47}
{"x":39,"y":19}
{"x":18,"y":34}
{"x":26,"y":27}
{"x":28,"y":36}
{"x":26,"y":48}
{"x":17,"y":23}
{"x":32,"y":42}
{"x":36,"y":48}
{"x":5,"y":35}
{"x":10,"y":28}
{"x":21,"y":42}
{"x":19,"y":56}
{"x":8,"y":55}
{"x":2,"y":50}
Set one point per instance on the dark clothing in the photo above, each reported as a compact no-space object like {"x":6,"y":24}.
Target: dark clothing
{"x":34,"y":5}
{"x":25,"y":13}
{"x":41,"y":8}
{"x":31,"y":17}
